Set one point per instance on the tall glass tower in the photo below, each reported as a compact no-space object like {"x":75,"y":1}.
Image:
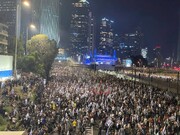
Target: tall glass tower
{"x":82,"y":25}
{"x":178,"y":47}
{"x":106,"y":37}
{"x":49,"y":19}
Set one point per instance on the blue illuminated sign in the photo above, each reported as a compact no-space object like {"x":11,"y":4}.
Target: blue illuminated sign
{"x":6,"y":73}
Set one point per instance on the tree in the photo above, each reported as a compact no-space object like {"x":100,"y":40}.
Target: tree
{"x":27,"y":63}
{"x":44,"y":52}
{"x":20,"y":48}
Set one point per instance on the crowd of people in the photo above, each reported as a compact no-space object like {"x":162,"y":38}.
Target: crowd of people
{"x":77,"y":97}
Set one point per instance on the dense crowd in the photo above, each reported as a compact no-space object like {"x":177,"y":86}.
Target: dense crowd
{"x":76,"y":97}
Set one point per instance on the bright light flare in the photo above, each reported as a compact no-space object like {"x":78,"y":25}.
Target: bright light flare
{"x":26,"y":3}
{"x":32,"y":26}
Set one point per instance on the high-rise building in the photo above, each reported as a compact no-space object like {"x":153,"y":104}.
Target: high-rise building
{"x":116,"y":45}
{"x":178,"y":47}
{"x":106,"y":37}
{"x":131,"y":44}
{"x":92,"y":33}
{"x":3,"y":38}
{"x":8,"y":15}
{"x":9,"y":10}
{"x":82,"y":29}
{"x":49,"y":19}
{"x":36,"y":14}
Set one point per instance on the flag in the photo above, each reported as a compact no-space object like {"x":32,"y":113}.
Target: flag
{"x":31,"y":132}
{"x":163,"y":131}
{"x":109,"y":123}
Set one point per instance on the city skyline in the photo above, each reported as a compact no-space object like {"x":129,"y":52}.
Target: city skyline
{"x":178,"y":46}
{"x":158,"y":20}
{"x":89,"y":67}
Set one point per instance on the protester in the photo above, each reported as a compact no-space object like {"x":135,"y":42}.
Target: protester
{"x":75,"y":98}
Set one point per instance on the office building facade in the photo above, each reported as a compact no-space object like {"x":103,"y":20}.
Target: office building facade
{"x":106,"y":37}
{"x":92,"y":33}
{"x":49,"y":19}
{"x":3,"y":38}
{"x":36,"y":14}
{"x":178,"y":46}
{"x":81,"y":29}
{"x":116,"y":45}
{"x":131,"y":44}
{"x":8,"y":15}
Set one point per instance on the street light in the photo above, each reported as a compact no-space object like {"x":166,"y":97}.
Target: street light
{"x":18,"y":27}
{"x":26,"y":3}
{"x":32,"y":26}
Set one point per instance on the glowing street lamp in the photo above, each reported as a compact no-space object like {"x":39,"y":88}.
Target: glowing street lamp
{"x":32,"y":27}
{"x":26,"y":3}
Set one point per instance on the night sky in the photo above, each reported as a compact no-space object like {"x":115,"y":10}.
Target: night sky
{"x":158,"y":20}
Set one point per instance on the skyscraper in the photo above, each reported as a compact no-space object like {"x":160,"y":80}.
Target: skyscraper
{"x":131,"y":44}
{"x":178,"y":47}
{"x":106,"y":37}
{"x":49,"y":19}
{"x":8,"y":15}
{"x":92,"y":33}
{"x":3,"y":38}
{"x":82,"y":28}
{"x":36,"y":14}
{"x":116,"y":45}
